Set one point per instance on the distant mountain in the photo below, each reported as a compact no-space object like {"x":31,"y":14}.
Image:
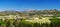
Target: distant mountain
{"x":31,"y":12}
{"x":43,"y":12}
{"x":9,"y":12}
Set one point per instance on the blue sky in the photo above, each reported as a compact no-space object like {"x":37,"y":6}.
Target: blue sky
{"x":21,"y":5}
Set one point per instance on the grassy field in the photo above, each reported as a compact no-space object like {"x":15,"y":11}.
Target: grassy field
{"x":44,"y":22}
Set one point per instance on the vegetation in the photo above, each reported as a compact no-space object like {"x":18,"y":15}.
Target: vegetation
{"x":30,"y":23}
{"x":41,"y":21}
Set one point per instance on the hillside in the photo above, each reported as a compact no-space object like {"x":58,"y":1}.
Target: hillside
{"x":32,"y":12}
{"x":12,"y":12}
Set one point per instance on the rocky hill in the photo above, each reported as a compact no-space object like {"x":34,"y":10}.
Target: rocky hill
{"x":31,"y":12}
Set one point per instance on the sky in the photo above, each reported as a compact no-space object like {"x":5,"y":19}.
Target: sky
{"x":21,"y":5}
